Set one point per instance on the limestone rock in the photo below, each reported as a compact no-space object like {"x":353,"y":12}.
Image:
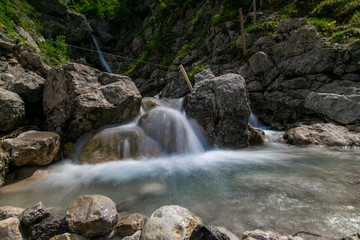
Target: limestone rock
{"x":49,"y":227}
{"x":260,"y":62}
{"x":221,"y":106}
{"x":129,"y":225}
{"x":148,"y":103}
{"x":287,"y":26}
{"x":171,"y":223}
{"x":34,"y":215}
{"x":10,"y":211}
{"x":12,"y":110}
{"x":340,"y":108}
{"x":256,"y":136}
{"x":68,"y":236}
{"x":9,"y":229}
{"x":4,"y":164}
{"x":207,"y":232}
{"x":118,"y":143}
{"x":78,"y":99}
{"x":29,"y":86}
{"x":203,"y":75}
{"x":91,"y":215}
{"x":327,"y":134}
{"x":33,"y":148}
{"x":261,"y":235}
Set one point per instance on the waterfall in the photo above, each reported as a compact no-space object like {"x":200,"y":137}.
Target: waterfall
{"x":102,"y":59}
{"x":255,"y":122}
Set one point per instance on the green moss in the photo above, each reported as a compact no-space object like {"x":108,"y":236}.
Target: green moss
{"x":196,"y":69}
{"x":55,"y":51}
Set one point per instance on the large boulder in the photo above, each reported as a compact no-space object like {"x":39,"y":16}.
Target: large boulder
{"x":327,"y":134}
{"x":78,"y":98}
{"x":221,"y":106}
{"x":118,"y":143}
{"x":91,"y":215}
{"x":129,"y":225}
{"x":171,"y":223}
{"x":33,"y":148}
{"x":12,"y":110}
{"x":10,"y":229}
{"x":207,"y":232}
{"x":344,"y":109}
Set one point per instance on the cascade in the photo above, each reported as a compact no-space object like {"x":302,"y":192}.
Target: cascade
{"x":102,"y":59}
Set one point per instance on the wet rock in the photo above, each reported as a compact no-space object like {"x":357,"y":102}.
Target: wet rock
{"x":4,"y":164}
{"x":78,"y":99}
{"x":261,"y":235}
{"x":149,"y":103}
{"x":10,"y":211}
{"x":340,"y":108}
{"x":202,"y":232}
{"x":49,"y":227}
{"x":10,"y":229}
{"x":256,"y":136}
{"x":118,"y":143}
{"x":34,"y":215}
{"x":91,"y":215}
{"x":129,"y":225}
{"x":221,"y":106}
{"x":12,"y":110}
{"x":327,"y":134}
{"x":171,"y":223}
{"x":33,"y":147}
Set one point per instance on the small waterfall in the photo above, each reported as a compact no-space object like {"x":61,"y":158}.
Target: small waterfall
{"x":271,"y":136}
{"x":255,"y":122}
{"x":161,"y":130}
{"x":102,"y":59}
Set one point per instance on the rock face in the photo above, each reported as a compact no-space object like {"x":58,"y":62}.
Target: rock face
{"x":78,"y":99}
{"x":327,"y":134}
{"x":91,"y":215}
{"x":171,"y":223}
{"x":12,"y":109}
{"x":10,"y":229}
{"x":221,"y":106}
{"x":33,"y":148}
{"x":4,"y":164}
{"x":207,"y":232}
{"x":49,"y":227}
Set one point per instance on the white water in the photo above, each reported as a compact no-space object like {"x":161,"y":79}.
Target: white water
{"x":273,"y":187}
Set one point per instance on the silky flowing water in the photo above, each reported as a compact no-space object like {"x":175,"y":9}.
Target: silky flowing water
{"x":274,"y":187}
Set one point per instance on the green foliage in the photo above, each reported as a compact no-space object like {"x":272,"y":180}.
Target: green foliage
{"x":236,"y":4}
{"x":270,"y":25}
{"x":355,"y":19}
{"x":341,"y":10}
{"x":55,"y":51}
{"x":196,"y":69}
{"x":101,"y":9}
{"x":325,"y":26}
{"x":338,"y":37}
{"x":288,"y":12}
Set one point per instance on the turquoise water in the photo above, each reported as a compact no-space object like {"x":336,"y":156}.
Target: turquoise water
{"x":274,"y":187}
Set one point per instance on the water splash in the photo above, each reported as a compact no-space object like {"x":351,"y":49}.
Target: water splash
{"x":255,"y":122}
{"x":102,"y":59}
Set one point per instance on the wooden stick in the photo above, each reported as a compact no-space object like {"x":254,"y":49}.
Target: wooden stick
{"x":186,"y":77}
{"x":242,"y":32}
{"x":255,"y":12}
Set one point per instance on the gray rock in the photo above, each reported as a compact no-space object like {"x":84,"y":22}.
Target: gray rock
{"x":129,"y":225}
{"x":287,"y":26}
{"x":78,"y":99}
{"x":29,"y":86}
{"x":91,"y":215}
{"x":221,"y":106}
{"x":34,"y":215}
{"x":10,"y":229}
{"x":327,"y":134}
{"x":69,"y":236}
{"x":202,"y":232}
{"x":135,"y":236}
{"x":260,"y":62}
{"x":171,"y":223}
{"x":148,"y":103}
{"x":10,"y":211}
{"x":340,"y":108}
{"x":204,"y":74}
{"x":33,"y":148}
{"x":12,"y":110}
{"x":4,"y":167}
{"x":112,"y":144}
{"x":256,"y":136}
{"x":49,"y":227}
